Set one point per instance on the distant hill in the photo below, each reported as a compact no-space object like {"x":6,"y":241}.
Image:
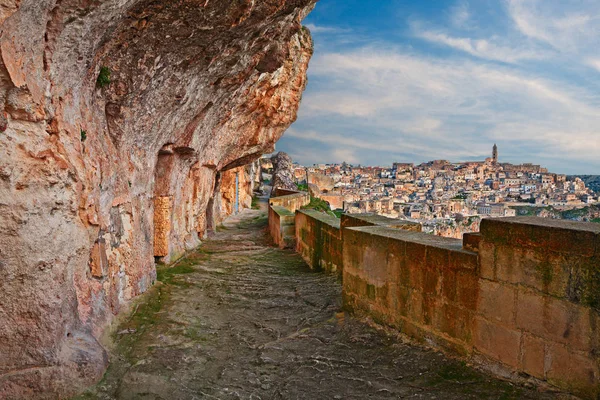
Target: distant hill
{"x":589,"y":213}
{"x":591,"y":181}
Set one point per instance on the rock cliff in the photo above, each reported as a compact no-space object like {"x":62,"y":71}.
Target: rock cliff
{"x":118,"y":119}
{"x":283,"y":174}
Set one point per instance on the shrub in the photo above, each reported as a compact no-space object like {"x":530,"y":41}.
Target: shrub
{"x":103,"y":77}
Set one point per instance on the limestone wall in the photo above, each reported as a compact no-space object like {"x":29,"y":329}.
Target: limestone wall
{"x":106,"y":106}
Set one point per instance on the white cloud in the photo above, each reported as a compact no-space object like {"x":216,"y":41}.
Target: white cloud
{"x":568,"y":26}
{"x":381,"y":101}
{"x":594,"y":63}
{"x":482,"y":48}
{"x":325,"y":29}
{"x":460,"y":15}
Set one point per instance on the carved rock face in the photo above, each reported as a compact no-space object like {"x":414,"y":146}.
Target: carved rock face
{"x":188,"y":89}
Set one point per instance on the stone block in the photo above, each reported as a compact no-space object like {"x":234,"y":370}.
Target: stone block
{"x":554,"y":319}
{"x":471,"y":241}
{"x":572,"y":371}
{"x":437,"y":258}
{"x":415,"y":308}
{"x":467,"y":289}
{"x":497,"y":302}
{"x":487,"y":260}
{"x":454,"y":321}
{"x":431,"y":281}
{"x":495,"y":231}
{"x":162,"y":225}
{"x":507,"y":266}
{"x":449,"y":285}
{"x":497,"y":342}
{"x":396,"y":261}
{"x":533,"y":356}
{"x":98,"y":259}
{"x":461,"y":259}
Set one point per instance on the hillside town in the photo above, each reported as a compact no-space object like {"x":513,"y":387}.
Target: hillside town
{"x":448,"y":198}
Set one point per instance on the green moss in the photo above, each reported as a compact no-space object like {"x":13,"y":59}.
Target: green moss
{"x":254,"y":204}
{"x":545,"y":270}
{"x":591,"y":295}
{"x":83,"y":135}
{"x":167,"y":274}
{"x":103,"y":77}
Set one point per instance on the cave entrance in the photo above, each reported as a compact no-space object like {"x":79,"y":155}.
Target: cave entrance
{"x":163,"y":201}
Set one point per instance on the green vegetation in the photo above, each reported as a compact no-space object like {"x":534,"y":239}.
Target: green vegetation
{"x":575,"y":213}
{"x":83,"y":135}
{"x":322,"y":206}
{"x":597,"y":220}
{"x":166,"y":274}
{"x":303,"y":187}
{"x":254,"y":205}
{"x":317,"y":204}
{"x":460,"y":196}
{"x":338,"y":213}
{"x":103,"y":77}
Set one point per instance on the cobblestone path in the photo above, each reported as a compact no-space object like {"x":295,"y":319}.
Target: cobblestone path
{"x":238,"y":319}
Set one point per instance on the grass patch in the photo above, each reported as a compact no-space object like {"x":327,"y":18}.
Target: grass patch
{"x":254,"y":205}
{"x":166,"y":274}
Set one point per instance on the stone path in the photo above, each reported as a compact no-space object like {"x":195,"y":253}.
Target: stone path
{"x":238,"y":319}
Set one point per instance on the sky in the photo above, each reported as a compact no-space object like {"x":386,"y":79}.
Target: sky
{"x":413,"y":81}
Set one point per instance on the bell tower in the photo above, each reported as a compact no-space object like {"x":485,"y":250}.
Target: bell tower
{"x":495,"y":154}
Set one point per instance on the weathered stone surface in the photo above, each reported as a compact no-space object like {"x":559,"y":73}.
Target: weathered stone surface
{"x":196,"y":88}
{"x":283,"y":176}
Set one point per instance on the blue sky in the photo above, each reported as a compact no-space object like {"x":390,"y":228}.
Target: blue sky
{"x":413,"y":81}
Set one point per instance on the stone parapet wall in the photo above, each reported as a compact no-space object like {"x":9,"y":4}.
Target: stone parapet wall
{"x":292,"y":202}
{"x":540,"y":286}
{"x":355,"y":220}
{"x":523,"y":304}
{"x":426,"y":286}
{"x":521,"y":298}
{"x":281,"y":227}
{"x":319,"y":240}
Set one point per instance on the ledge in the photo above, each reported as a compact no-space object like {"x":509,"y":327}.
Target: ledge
{"x":322,"y":217}
{"x":282,"y":211}
{"x":353,"y":220}
{"x":547,"y":235}
{"x":414,"y":237}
